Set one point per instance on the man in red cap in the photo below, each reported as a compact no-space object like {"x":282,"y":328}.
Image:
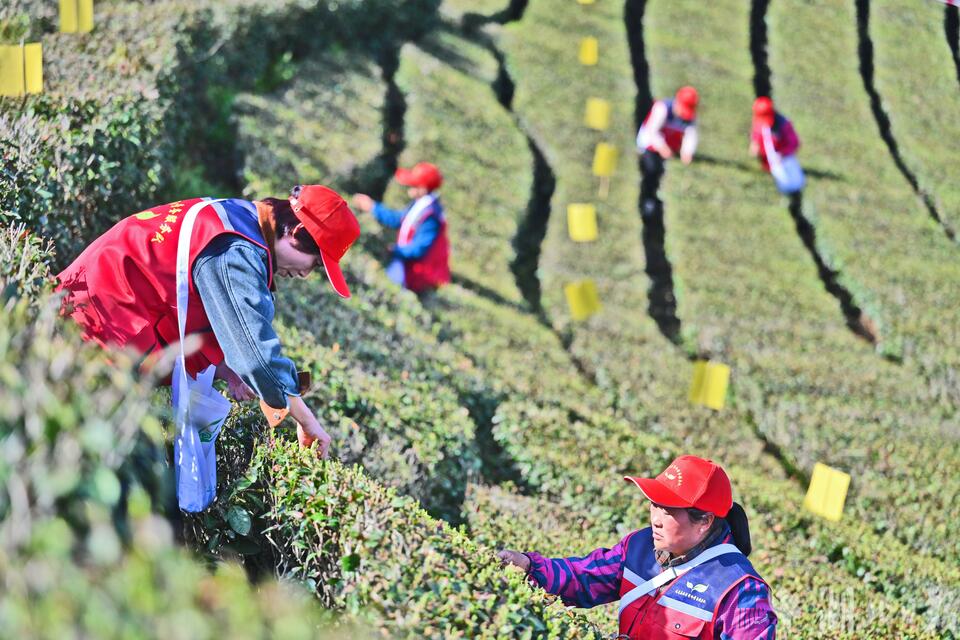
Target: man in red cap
{"x":122,"y":289}
{"x":421,"y":256}
{"x":686,"y":575}
{"x":670,"y":128}
{"x":775,"y":142}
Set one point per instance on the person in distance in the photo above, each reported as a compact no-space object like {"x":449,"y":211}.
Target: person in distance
{"x":774,"y":142}
{"x":669,"y":129}
{"x":421,"y":255}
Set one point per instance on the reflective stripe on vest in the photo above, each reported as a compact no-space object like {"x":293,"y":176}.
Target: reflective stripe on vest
{"x":222,"y":213}
{"x":648,"y":587}
{"x":414,"y":218}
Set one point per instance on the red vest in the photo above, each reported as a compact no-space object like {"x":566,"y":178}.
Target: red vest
{"x":433,"y":269}
{"x":683,"y":607}
{"x":122,"y":289}
{"x":673,"y":129}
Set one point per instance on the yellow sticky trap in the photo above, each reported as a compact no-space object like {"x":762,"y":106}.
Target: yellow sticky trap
{"x":11,"y":70}
{"x":709,"y":385}
{"x":604,"y":160}
{"x":585,"y":1}
{"x":33,"y":67}
{"x":589,"y":51}
{"x":827,"y":492}
{"x":598,"y":114}
{"x":69,"y":22}
{"x":582,"y":222}
{"x":76,"y":16}
{"x":582,"y":298}
{"x":85,"y":15}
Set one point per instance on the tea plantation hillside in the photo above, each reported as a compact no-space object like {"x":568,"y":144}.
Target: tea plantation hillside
{"x":485,"y":416}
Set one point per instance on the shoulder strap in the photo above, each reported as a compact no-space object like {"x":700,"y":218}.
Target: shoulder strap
{"x":415,"y":214}
{"x":645,"y":588}
{"x":183,"y":285}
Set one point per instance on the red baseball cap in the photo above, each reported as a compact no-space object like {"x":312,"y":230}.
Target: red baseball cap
{"x":763,"y":112}
{"x":689,"y":482}
{"x":686,"y":101}
{"x":423,"y":175}
{"x":331,"y":224}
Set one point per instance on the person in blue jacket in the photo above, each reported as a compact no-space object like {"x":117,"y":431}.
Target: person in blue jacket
{"x":421,"y":256}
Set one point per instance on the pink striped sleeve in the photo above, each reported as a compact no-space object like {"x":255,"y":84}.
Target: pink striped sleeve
{"x":746,"y":614}
{"x":587,"y":581}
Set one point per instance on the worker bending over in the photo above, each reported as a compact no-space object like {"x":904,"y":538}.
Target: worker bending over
{"x":669,"y":129}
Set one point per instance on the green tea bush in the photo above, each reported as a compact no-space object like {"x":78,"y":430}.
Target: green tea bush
{"x":332,"y":95}
{"x":411,"y":433}
{"x":429,"y":400}
{"x":364,"y":547}
{"x":840,"y":403}
{"x":122,"y":107}
{"x":26,"y":19}
{"x":83,"y":552}
{"x":915,"y":88}
{"x":500,"y":518}
{"x":156,"y":593}
{"x":619,"y":345}
{"x":73,"y":425}
{"x":24,"y":264}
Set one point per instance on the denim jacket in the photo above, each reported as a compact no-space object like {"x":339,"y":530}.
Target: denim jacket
{"x":231,"y":278}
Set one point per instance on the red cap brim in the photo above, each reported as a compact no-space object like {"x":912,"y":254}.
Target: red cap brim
{"x":405,"y":177}
{"x":335,"y":275}
{"x":764,"y":121}
{"x":657,"y":493}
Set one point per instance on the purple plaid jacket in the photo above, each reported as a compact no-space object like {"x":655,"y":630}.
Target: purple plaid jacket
{"x":744,"y":614}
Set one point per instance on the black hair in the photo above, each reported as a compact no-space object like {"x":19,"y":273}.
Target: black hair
{"x":697,"y":515}
{"x":740,"y":528}
{"x":286,"y":221}
{"x":736,"y":520}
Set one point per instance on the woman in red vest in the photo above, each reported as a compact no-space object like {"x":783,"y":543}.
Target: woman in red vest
{"x":774,"y":141}
{"x":122,"y":289}
{"x":422,"y":253}
{"x":684,"y":576}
